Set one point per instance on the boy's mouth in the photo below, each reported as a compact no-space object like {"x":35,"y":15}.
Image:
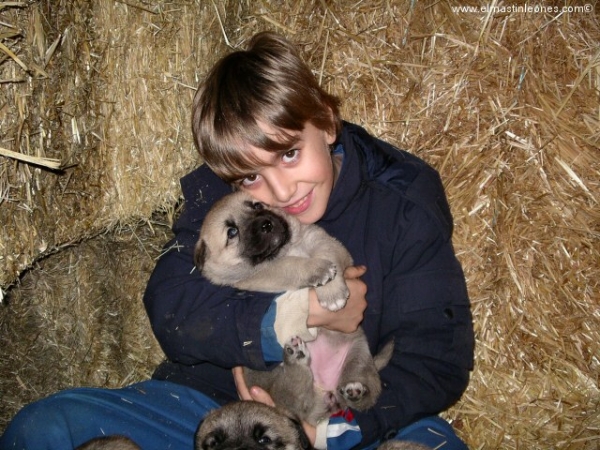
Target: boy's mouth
{"x":300,"y":206}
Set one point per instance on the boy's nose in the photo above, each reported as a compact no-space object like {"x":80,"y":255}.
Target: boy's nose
{"x":283,"y":189}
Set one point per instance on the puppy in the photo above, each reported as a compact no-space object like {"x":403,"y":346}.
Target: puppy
{"x":251,"y":425}
{"x":254,"y":426}
{"x":245,"y":244}
{"x":109,"y":443}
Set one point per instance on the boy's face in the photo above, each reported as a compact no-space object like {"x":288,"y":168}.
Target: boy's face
{"x":298,"y":180}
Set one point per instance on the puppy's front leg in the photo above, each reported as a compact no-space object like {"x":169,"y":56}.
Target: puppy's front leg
{"x":320,"y":245}
{"x":289,"y":273}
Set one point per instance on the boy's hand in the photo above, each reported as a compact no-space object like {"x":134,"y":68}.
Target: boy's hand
{"x":253,"y":393}
{"x":348,"y":318}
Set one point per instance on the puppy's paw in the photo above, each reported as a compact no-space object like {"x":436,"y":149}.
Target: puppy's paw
{"x":353,"y":392}
{"x":295,"y":351}
{"x":333,"y":296}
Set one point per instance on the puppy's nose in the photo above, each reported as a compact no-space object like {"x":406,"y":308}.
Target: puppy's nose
{"x":266,"y":226}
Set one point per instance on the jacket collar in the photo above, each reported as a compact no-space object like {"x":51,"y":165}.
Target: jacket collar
{"x":350,"y":179}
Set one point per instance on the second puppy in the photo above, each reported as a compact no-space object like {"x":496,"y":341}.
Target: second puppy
{"x":255,"y":426}
{"x":245,"y":244}
{"x":252,"y":426}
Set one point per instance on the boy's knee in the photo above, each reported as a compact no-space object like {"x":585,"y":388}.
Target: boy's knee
{"x":433,"y":432}
{"x":38,"y":425}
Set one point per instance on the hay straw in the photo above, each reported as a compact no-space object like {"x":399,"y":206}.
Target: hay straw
{"x":38,"y":161}
{"x":6,"y":50}
{"x":12,"y":5}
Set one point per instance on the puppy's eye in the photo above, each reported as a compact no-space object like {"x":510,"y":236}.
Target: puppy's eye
{"x":215,"y":439}
{"x":232,"y":232}
{"x":260,"y":435}
{"x":264,"y":440}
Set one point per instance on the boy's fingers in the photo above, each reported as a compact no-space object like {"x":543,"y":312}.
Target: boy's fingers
{"x":354,"y":272}
{"x":254,"y":393}
{"x":262,"y":396}
{"x":240,"y":383}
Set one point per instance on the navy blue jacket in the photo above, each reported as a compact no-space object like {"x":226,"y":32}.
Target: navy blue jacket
{"x":389,"y":209}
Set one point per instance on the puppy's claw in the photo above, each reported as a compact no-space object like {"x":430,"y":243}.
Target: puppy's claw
{"x":324,"y":273}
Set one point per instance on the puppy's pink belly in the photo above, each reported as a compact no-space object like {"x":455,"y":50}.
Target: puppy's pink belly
{"x":326,"y":362}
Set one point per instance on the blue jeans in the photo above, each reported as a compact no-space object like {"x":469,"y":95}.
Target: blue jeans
{"x":155,"y":414}
{"x":433,"y":432}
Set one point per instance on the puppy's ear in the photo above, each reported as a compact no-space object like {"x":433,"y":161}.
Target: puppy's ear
{"x":201,"y":252}
{"x":303,"y":439}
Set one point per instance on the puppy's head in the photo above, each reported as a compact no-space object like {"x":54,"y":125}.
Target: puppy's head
{"x":239,"y":233}
{"x":109,"y":443}
{"x":250,"y":425}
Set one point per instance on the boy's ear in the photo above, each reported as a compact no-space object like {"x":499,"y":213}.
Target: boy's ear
{"x":331,"y":137}
{"x":200,"y":254}
{"x":331,"y":133}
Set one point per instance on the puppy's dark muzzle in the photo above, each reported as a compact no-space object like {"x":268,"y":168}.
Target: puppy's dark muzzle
{"x":267,"y":233}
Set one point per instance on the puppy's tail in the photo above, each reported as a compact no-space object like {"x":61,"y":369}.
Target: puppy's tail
{"x":382,"y":358}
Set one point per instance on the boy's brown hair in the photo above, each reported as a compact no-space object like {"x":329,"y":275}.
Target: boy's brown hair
{"x":267,"y":83}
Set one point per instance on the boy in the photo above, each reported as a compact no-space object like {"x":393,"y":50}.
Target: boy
{"x":262,"y":124}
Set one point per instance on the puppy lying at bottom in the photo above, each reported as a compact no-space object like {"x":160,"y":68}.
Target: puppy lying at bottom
{"x":402,"y":445}
{"x":255,"y":426}
{"x":109,"y":443}
{"x":248,"y":245}
{"x":251,"y":425}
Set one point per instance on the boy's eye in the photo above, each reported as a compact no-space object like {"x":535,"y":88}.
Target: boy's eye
{"x":249,"y":180}
{"x":290,"y":156}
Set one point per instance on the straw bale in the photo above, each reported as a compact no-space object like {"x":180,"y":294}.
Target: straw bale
{"x":107,"y":92}
{"x":504,"y":103}
{"x":78,"y":320}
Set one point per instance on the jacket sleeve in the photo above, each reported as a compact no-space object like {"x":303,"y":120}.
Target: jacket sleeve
{"x":193,"y":320}
{"x":426,"y":311}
